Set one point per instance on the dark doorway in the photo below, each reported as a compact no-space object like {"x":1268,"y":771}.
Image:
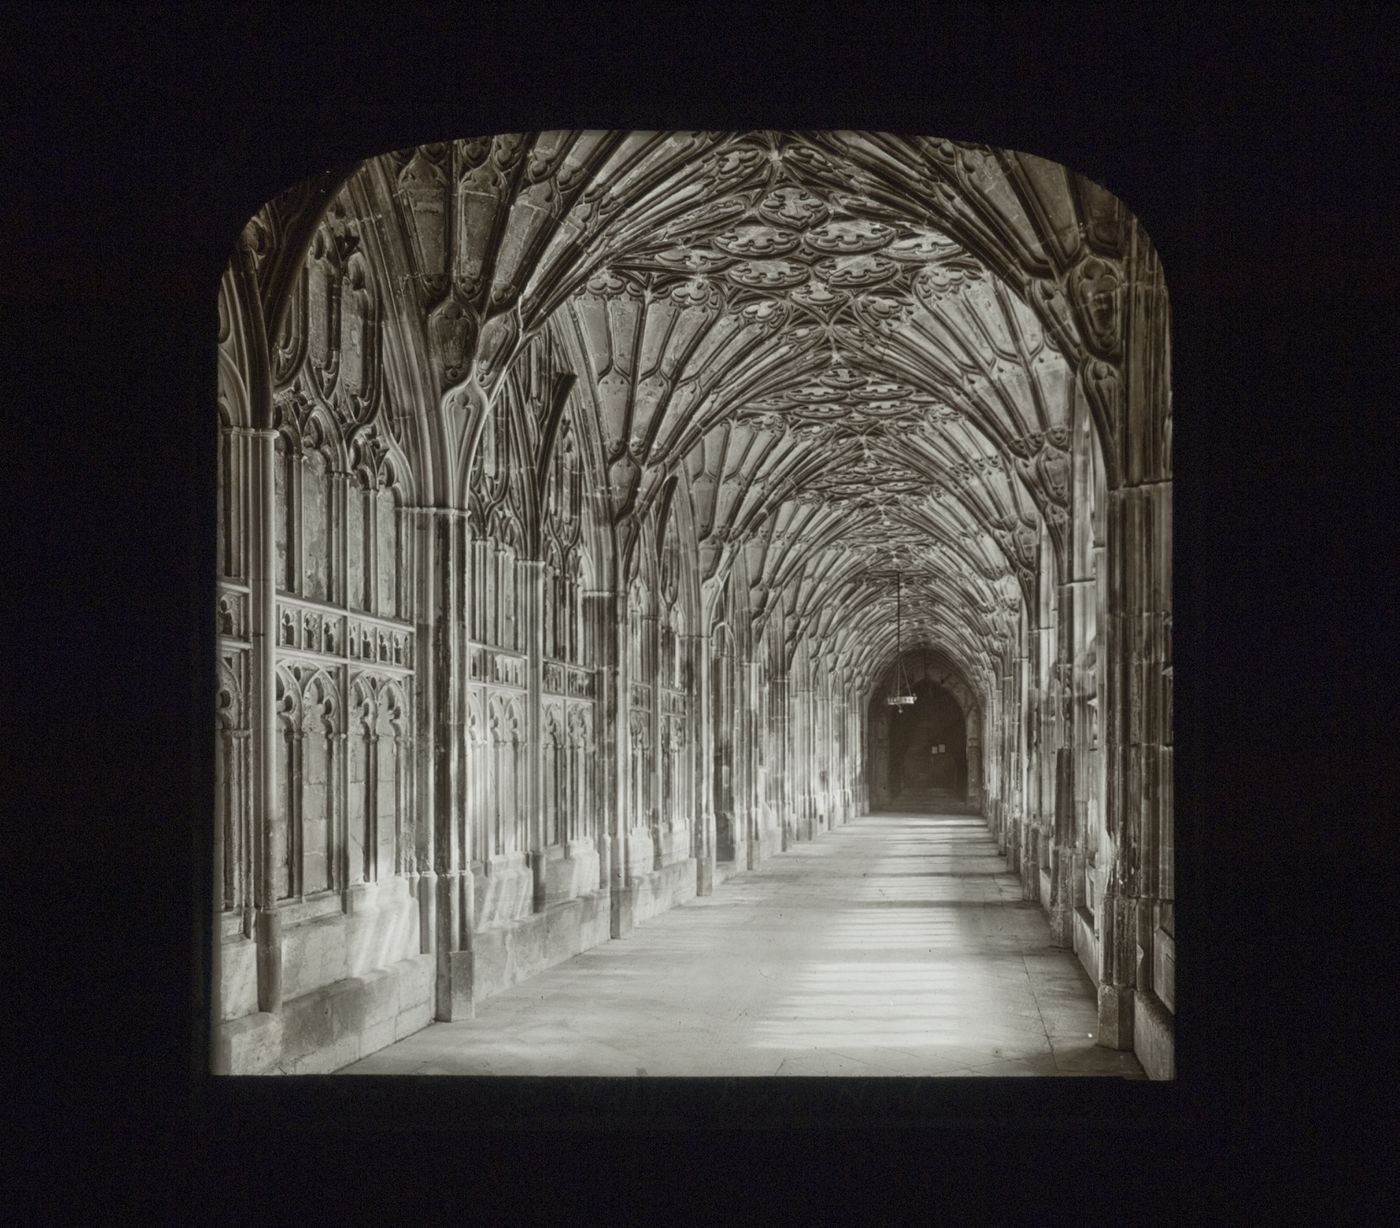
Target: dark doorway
{"x":928,"y":750}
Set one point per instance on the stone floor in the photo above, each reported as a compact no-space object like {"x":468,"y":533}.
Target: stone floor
{"x":896,"y":945}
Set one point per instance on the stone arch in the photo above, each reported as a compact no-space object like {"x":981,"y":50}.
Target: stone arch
{"x":242,"y":353}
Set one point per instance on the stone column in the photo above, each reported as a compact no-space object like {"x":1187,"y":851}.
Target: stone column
{"x":1072,"y":750}
{"x":839,"y":794}
{"x":1118,"y":918}
{"x":262,"y":582}
{"x":1057,"y":764}
{"x":722,"y":736}
{"x":844,"y":753}
{"x":597,"y":636}
{"x":1018,"y":764}
{"x":445,"y":883}
{"x":873,"y":759}
{"x":848,"y":755}
{"x":840,"y":741}
{"x":827,"y":771}
{"x":828,"y":768}
{"x":817,"y":733}
{"x":624,"y":855}
{"x":996,"y":757}
{"x":738,"y":763}
{"x":974,"y":759}
{"x":802,"y":755}
{"x":1042,"y":758}
{"x":855,"y":750}
{"x":1139,"y":755}
{"x":990,"y":780}
{"x":1011,"y":758}
{"x":1137,"y":716}
{"x":748,"y":674}
{"x":862,"y":745}
{"x":781,"y":762}
{"x":822,"y":759}
{"x":606,"y":613}
{"x":651,"y":666}
{"x":1012,"y":733}
{"x":533,"y":578}
{"x":352,"y":894}
{"x":698,"y":664}
{"x":810,"y":765}
{"x":1061,"y":903}
{"x":859,"y":749}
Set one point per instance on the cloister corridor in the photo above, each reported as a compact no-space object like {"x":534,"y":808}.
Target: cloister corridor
{"x":610,"y":523}
{"x":898,"y":944}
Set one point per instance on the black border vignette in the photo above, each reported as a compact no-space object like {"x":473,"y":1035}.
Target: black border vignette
{"x":146,"y":139}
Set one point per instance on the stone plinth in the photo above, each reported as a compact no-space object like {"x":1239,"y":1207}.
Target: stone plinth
{"x":1086,"y":942}
{"x":1115,"y":1016}
{"x":332,"y":1026}
{"x":504,"y":890}
{"x":658,"y":890}
{"x":512,"y":952}
{"x":571,"y":872}
{"x":1154,"y":1037}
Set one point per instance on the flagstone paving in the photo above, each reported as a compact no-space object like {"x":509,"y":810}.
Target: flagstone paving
{"x":896,"y":945}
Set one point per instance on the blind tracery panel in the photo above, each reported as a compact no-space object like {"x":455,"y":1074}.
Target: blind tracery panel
{"x":344,"y":780}
{"x":380,"y":777}
{"x":480,"y":814}
{"x":506,"y":724}
{"x":581,"y":768}
{"x":555,"y":777}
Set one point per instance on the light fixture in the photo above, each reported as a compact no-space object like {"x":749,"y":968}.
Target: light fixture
{"x":901,"y":692}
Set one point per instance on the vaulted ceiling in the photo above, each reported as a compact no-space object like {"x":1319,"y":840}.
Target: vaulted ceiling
{"x":858,"y":352}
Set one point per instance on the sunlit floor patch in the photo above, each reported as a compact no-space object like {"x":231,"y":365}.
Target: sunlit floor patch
{"x":892,"y":946}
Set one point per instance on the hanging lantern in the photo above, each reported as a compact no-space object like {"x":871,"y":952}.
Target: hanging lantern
{"x":901,"y":690}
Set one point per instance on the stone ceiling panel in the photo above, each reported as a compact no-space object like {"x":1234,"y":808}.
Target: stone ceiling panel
{"x":857,"y":350}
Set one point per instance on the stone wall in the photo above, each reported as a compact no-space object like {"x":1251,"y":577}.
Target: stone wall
{"x":1081,"y":785}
